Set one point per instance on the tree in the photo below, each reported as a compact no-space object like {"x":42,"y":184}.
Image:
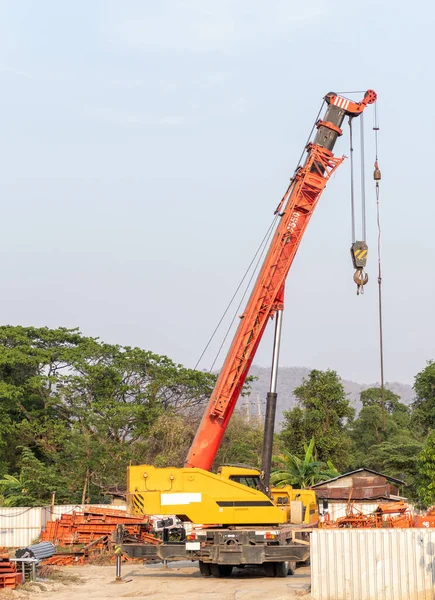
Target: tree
{"x":169,"y":439}
{"x":242,"y":442}
{"x":423,"y":408}
{"x":367,"y":429}
{"x":392,"y":451}
{"x":302,"y":472}
{"x":397,"y":457}
{"x":76,"y":410}
{"x":426,"y":470}
{"x":373,"y":397}
{"x":324,"y":411}
{"x":14,"y":491}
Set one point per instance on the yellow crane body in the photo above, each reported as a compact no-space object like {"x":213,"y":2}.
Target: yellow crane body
{"x":233,"y":496}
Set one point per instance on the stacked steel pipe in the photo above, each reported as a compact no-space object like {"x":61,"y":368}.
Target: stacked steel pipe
{"x":38,"y":551}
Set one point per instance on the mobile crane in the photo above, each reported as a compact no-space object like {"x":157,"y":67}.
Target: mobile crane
{"x":244,"y":519}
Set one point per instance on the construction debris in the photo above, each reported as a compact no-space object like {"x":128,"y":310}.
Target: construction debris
{"x":64,"y":559}
{"x":427,"y":520}
{"x":9,"y":578}
{"x":83,"y":536}
{"x":391,"y":515}
{"x":92,"y":525}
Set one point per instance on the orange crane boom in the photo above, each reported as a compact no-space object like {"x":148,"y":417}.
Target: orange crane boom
{"x":267,"y":296}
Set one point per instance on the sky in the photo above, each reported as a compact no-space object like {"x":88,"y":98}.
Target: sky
{"x":145,"y":145}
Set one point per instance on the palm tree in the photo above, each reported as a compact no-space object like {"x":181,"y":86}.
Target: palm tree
{"x":302,"y":472}
{"x":14,"y":490}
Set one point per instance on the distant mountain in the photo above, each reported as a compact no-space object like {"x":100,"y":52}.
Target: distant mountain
{"x":290,"y":378}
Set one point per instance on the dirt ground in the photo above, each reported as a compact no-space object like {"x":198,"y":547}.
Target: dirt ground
{"x":178,"y":581}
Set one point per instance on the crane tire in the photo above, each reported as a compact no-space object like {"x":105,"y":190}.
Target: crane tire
{"x":204,"y":569}
{"x":291,"y":567}
{"x":221,"y":570}
{"x":281,"y":568}
{"x":269,"y":569}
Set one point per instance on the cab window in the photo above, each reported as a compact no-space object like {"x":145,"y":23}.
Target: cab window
{"x":250,"y":481}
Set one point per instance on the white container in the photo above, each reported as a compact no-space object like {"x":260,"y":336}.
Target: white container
{"x":373,"y":564}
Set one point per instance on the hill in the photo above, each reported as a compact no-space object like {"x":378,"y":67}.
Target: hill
{"x":290,"y":378}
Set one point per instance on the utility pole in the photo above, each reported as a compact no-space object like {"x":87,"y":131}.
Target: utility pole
{"x":248,"y":412}
{"x":260,"y":416}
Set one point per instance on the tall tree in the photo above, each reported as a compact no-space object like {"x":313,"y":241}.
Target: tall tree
{"x":82,"y":409}
{"x":242,"y":442}
{"x":423,"y":408}
{"x":324,"y":412}
{"x":426,"y":471}
{"x":392,"y":450}
{"x":368,"y":428}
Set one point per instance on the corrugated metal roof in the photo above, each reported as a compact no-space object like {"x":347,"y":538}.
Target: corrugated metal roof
{"x":368,"y":493}
{"x":359,"y":471}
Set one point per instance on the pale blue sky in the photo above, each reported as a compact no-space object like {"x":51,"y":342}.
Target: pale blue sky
{"x":145,"y":145}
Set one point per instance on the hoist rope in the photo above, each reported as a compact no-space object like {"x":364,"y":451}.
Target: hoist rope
{"x":376,"y":129}
{"x":352,"y":182}
{"x":378,"y":220}
{"x":264,"y":243}
{"x":363,"y":181}
{"x":264,"y":240}
{"x":381,"y":335}
{"x":352,"y":191}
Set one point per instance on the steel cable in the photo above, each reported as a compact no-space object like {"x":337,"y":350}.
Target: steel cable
{"x":377,"y":176}
{"x":363,"y":181}
{"x":352,"y":191}
{"x":244,"y":293}
{"x":259,"y":249}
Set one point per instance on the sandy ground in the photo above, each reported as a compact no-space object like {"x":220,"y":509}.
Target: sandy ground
{"x":176,"y":582}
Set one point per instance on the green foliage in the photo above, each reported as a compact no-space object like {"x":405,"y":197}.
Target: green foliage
{"x":368,"y":429}
{"x":170,"y":439}
{"x":301,"y":472}
{"x":426,"y":470}
{"x":15,"y":491}
{"x":391,"y":450}
{"x":424,"y":404}
{"x":74,"y":411}
{"x":242,"y":442}
{"x":324,"y":412}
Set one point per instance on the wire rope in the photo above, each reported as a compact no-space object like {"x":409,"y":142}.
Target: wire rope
{"x":377,"y":177}
{"x":259,"y":249}
{"x":352,"y":190}
{"x":363,"y":181}
{"x":265,"y":239}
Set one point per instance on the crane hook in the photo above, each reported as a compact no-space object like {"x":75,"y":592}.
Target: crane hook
{"x":360,"y":278}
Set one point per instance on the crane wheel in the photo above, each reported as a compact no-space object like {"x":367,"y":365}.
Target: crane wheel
{"x":221,"y":570}
{"x":269,"y":569}
{"x":204,"y":569}
{"x":281,"y":568}
{"x":291,"y":567}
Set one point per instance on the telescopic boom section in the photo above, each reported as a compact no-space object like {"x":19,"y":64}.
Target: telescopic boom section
{"x":295,"y":211}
